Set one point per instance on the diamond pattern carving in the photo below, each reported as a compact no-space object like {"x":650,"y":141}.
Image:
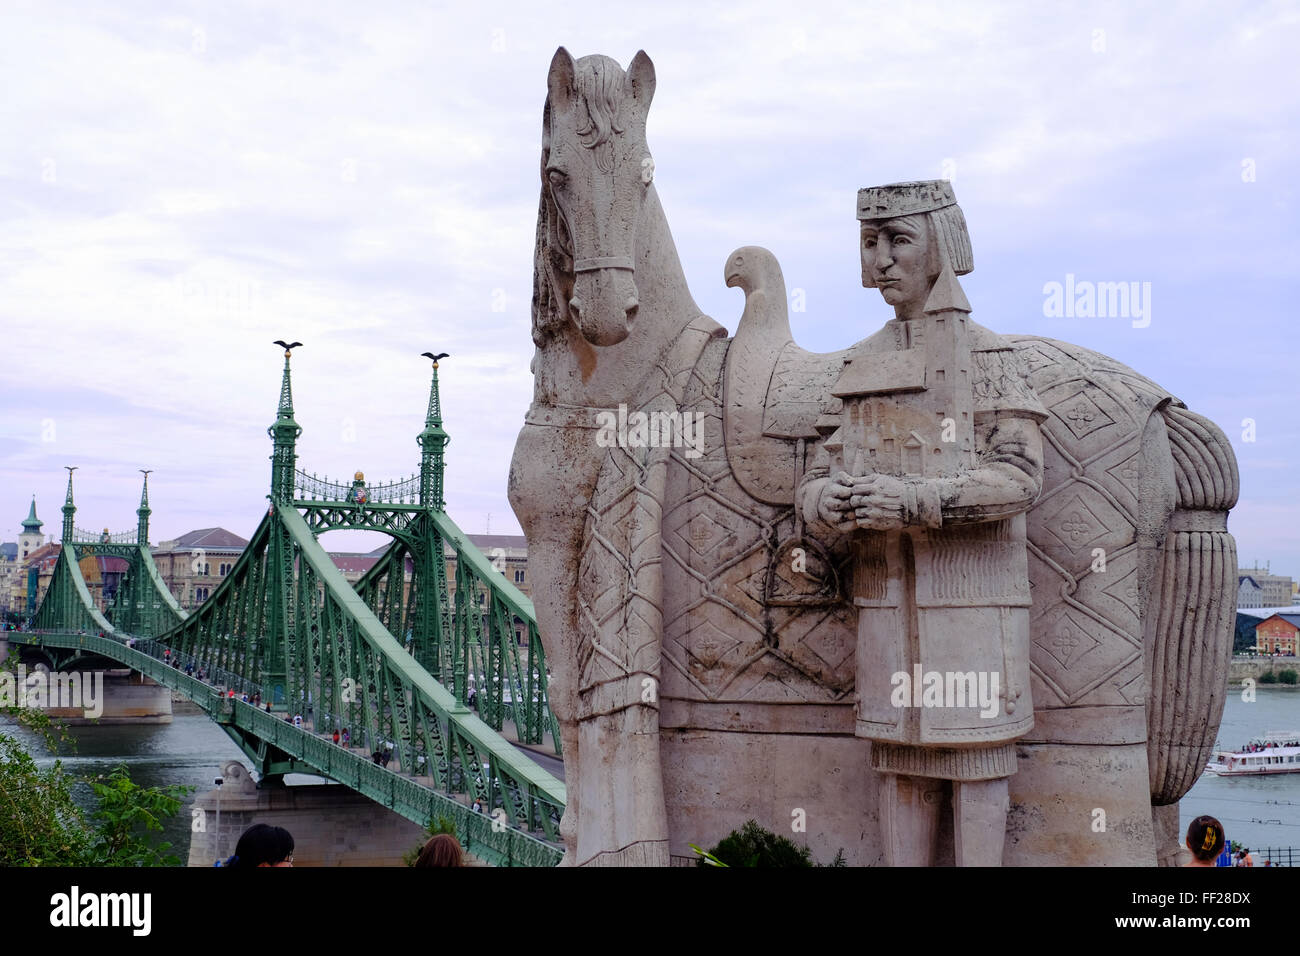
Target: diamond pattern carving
{"x":1081,"y":414}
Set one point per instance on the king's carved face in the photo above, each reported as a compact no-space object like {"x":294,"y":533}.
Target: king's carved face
{"x":897,"y":258}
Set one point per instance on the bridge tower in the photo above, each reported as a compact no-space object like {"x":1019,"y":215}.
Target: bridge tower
{"x":432,"y":441}
{"x":434,"y":635}
{"x":143,"y":512}
{"x":280,"y":635}
{"x":69,"y":508}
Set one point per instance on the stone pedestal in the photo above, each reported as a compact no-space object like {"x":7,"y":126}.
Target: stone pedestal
{"x":714,"y":781}
{"x":1055,"y":798}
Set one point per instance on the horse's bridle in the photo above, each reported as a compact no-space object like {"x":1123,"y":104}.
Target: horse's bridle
{"x":603,"y":262}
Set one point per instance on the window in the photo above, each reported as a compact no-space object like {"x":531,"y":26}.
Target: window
{"x":519,"y":576}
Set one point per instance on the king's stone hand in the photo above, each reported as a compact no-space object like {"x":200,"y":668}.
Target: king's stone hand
{"x":833,"y":505}
{"x":878,"y":502}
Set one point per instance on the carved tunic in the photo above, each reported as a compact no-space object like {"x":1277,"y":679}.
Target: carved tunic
{"x":944,"y":600}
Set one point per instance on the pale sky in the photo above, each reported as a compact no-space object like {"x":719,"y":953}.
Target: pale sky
{"x":182,"y":183}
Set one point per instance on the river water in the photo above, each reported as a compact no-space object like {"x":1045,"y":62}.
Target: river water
{"x":1257,"y":811}
{"x":190,"y":750}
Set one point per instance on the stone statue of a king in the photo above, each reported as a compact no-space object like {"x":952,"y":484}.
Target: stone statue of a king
{"x":935,"y":460}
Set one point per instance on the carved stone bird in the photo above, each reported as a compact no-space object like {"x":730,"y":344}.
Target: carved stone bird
{"x":756,"y":271}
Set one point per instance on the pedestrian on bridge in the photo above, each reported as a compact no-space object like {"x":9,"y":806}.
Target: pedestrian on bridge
{"x":347,"y":738}
{"x":336,"y":738}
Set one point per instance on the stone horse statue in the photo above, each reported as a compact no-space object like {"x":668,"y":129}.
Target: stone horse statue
{"x":697,"y":680}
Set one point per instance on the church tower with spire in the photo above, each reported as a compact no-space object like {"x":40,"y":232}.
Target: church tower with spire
{"x":31,"y":538}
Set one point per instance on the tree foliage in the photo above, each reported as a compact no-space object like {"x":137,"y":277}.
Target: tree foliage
{"x":754,"y":846}
{"x":42,"y":825}
{"x":126,"y":817}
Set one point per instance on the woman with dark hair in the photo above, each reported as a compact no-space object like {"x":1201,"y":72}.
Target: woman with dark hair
{"x":1205,"y":838}
{"x":263,"y":845}
{"x":442,"y":850}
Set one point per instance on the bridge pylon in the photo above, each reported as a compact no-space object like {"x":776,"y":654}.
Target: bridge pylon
{"x":393,"y":663}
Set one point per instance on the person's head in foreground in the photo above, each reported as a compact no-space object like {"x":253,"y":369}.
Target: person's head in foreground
{"x":442,"y":850}
{"x":1205,"y":839}
{"x":263,"y":845}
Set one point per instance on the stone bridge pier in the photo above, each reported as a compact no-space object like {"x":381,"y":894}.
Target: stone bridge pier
{"x":331,"y":824}
{"x":90,"y":695}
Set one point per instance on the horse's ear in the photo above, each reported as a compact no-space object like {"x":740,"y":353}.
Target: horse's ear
{"x":559,"y":82}
{"x":641,"y":80}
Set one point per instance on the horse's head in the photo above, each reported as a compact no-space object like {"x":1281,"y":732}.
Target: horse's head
{"x":596,"y":170}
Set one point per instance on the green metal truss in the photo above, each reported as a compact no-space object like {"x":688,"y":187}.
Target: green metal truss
{"x":271,"y":742}
{"x":142,"y":605}
{"x":392,"y":660}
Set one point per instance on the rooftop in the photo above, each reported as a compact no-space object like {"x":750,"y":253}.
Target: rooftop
{"x":1291,"y":617}
{"x":211,"y":538}
{"x":1263,"y":612}
{"x":32,"y":524}
{"x":354,"y":562}
{"x":486,"y":542}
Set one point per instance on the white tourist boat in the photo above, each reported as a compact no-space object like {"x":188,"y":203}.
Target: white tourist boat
{"x":1277,"y":751}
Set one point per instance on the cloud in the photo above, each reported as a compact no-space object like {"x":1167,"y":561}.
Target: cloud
{"x":178,"y":189}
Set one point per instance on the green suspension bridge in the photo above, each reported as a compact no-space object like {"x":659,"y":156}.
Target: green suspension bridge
{"x":393,"y":659}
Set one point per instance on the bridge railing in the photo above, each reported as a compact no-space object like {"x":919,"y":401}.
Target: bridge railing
{"x":312,"y":488}
{"x":81,"y":535}
{"x":483,"y":836}
{"x":491,"y":839}
{"x":135,"y":654}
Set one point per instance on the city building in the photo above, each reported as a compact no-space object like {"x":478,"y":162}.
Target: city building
{"x":1249,"y":593}
{"x":35,"y":577}
{"x":193,"y":565}
{"x":354,"y":565}
{"x":508,"y":554}
{"x":31,"y":538}
{"x":1277,"y":634}
{"x":1277,"y":588}
{"x":13,"y":562}
{"x":9,"y":566}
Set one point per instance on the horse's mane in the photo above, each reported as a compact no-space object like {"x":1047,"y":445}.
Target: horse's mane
{"x":601,"y":92}
{"x":551,"y":267}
